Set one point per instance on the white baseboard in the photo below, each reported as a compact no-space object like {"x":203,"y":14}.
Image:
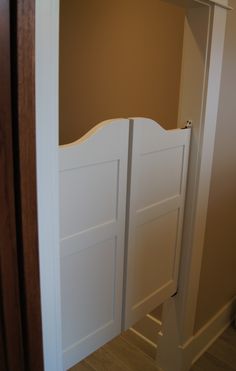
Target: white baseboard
{"x":148,"y":341}
{"x":148,"y":329}
{"x":172,"y":356}
{"x":206,"y":336}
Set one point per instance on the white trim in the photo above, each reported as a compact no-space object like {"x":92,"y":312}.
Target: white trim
{"x":195,"y":222}
{"x":47,"y":33}
{"x":191,"y":3}
{"x":141,"y":336}
{"x":148,"y":329}
{"x":179,"y":312}
{"x":153,"y":319}
{"x":184,"y":356}
{"x":222,"y":3}
{"x":206,"y":336}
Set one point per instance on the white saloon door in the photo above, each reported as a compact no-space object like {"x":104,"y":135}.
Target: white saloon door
{"x":93,"y":180}
{"x":157,"y":191}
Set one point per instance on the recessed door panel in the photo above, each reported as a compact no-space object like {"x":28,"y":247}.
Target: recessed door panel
{"x":153,"y":258}
{"x":88,"y":291}
{"x":166,"y":177}
{"x":158,"y":170}
{"x":93,"y":182}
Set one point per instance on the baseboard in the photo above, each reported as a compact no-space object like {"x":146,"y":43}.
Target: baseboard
{"x":148,"y":329}
{"x":148,"y":341}
{"x":206,"y":336}
{"x":172,"y":356}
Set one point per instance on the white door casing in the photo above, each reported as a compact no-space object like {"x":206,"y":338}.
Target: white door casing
{"x":201,"y":76}
{"x":47,"y":57}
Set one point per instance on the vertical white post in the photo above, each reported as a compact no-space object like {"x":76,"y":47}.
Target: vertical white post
{"x":47,"y":34}
{"x":179,"y":312}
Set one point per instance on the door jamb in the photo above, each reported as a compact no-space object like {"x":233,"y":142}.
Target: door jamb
{"x":47,"y":32}
{"x":47,"y":139}
{"x":180,"y":311}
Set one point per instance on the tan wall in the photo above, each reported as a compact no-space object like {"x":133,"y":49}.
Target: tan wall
{"x":118,"y":58}
{"x":218,"y":276}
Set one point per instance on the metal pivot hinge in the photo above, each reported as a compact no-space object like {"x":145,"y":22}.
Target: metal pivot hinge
{"x":189,"y":124}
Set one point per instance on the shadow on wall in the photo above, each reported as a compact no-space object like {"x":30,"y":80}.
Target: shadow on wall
{"x":118,"y":59}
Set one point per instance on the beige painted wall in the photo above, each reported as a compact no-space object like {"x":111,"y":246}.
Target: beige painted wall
{"x":218,"y":275}
{"x":118,"y":58}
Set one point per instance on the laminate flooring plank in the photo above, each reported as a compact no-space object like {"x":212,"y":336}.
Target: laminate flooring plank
{"x":224,"y":351}
{"x":141,"y":344}
{"x":210,"y":363}
{"x":82,"y":366}
{"x":102,"y":360}
{"x":130,"y":355}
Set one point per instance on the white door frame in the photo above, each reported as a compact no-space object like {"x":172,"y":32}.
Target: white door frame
{"x":203,"y":131}
{"x":201,"y":77}
{"x":47,"y":138}
{"x":47,"y":52}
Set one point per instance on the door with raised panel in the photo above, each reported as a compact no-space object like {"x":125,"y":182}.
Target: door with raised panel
{"x":122,"y":190}
{"x":157,"y":184}
{"x":93,"y":180}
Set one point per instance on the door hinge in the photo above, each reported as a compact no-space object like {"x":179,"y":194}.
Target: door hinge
{"x":188,"y":124}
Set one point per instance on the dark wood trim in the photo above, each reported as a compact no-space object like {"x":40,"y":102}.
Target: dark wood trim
{"x":20,"y":310}
{"x":27,"y":185}
{"x":3,"y":353}
{"x":3,"y":360}
{"x":11,"y":341}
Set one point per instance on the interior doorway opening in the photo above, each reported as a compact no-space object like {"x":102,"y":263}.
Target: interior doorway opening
{"x":125,"y":60}
{"x":120,"y":59}
{"x":200,"y":81}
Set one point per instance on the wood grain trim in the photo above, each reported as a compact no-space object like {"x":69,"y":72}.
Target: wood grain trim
{"x":27,"y":185}
{"x":3,"y":361}
{"x":11,"y":352}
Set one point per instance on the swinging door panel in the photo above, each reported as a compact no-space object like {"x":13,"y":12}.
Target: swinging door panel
{"x":93,"y":180}
{"x":158,"y":176}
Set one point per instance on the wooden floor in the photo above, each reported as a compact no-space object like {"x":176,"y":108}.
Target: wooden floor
{"x":221,"y":355}
{"x":129,"y":353}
